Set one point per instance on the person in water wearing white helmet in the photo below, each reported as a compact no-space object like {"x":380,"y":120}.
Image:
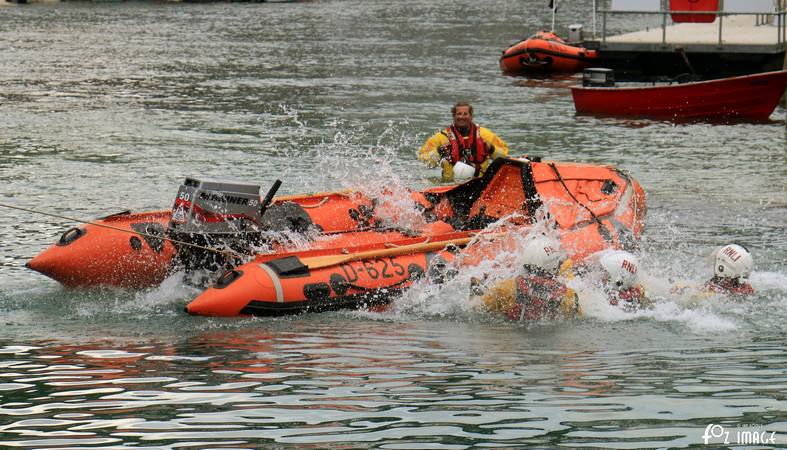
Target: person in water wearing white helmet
{"x":732,"y":265}
{"x":464,"y":149}
{"x":538,"y":292}
{"x":620,"y":278}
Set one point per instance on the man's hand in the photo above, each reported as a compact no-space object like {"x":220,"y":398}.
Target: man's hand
{"x":444,"y":151}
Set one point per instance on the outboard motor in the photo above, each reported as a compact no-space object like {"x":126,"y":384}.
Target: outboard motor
{"x":598,"y":77}
{"x":575,"y":35}
{"x":215,"y":215}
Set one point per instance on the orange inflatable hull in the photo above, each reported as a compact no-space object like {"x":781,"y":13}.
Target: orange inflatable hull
{"x":288,"y":285}
{"x":545,"y":52}
{"x":111,"y":252}
{"x":593,"y":208}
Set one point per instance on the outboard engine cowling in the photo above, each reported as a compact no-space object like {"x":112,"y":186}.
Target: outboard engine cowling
{"x":598,"y":77}
{"x":216,"y":215}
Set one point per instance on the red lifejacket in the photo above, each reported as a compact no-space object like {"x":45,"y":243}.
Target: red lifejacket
{"x":731,"y":286}
{"x":537,"y":298}
{"x":470,"y":149}
{"x":630,"y":297}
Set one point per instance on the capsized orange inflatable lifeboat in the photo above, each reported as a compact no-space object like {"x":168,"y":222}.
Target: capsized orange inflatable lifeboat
{"x":593,"y":208}
{"x":545,"y":52}
{"x":138,"y":250}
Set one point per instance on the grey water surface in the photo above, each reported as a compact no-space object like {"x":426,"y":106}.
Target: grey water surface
{"x":108,"y":106}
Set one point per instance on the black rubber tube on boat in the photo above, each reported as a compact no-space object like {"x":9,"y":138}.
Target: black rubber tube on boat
{"x":269,"y":197}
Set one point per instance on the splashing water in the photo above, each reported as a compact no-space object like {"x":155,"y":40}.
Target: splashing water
{"x":682,"y":303}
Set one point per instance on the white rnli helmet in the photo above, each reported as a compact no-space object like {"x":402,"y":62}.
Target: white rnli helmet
{"x":463,"y":171}
{"x":732,"y":261}
{"x":621,"y":267}
{"x":543,"y":252}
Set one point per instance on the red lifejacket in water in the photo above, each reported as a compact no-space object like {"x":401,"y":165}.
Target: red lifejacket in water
{"x":631,"y":297}
{"x":537,"y":298}
{"x":732,"y":286}
{"x":470,"y":149}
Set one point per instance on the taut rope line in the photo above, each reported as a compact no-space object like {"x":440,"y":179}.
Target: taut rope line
{"x":153,"y":236}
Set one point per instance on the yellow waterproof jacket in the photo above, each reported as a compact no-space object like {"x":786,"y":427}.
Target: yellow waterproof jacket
{"x":501,"y":299}
{"x":430,"y":155}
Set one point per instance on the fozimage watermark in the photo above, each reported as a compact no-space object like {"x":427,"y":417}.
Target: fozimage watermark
{"x":741,"y":435}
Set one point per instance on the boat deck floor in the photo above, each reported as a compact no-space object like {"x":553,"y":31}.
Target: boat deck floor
{"x":736,"y":31}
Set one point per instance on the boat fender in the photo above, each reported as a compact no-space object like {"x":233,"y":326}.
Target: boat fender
{"x":317,"y":292}
{"x":228,"y":278}
{"x":288,"y":267}
{"x":71,"y":235}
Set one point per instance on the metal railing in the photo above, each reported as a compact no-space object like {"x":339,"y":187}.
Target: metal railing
{"x":779,"y":15}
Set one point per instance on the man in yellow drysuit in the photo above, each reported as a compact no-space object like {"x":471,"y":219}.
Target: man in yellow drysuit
{"x":537,"y":292}
{"x":463,"y":142}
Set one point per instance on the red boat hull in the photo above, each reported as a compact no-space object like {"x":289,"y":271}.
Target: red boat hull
{"x":743,"y":98}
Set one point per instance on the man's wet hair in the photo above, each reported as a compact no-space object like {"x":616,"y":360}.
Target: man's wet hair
{"x":458,"y":104}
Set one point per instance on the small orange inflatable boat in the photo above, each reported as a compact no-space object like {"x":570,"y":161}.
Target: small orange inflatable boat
{"x":138,"y":250}
{"x":545,"y":52}
{"x":593,"y":208}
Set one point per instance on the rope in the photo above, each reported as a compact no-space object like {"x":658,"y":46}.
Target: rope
{"x":392,"y":245}
{"x":322,"y":202}
{"x":154,"y":236}
{"x":603,"y":231}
